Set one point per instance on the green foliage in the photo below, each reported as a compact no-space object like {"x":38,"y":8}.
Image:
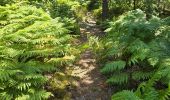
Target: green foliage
{"x":118,"y":78}
{"x":32,"y":43}
{"x":118,"y":7}
{"x":66,"y":9}
{"x":93,"y":4}
{"x":125,"y":95}
{"x":112,"y":66}
{"x":136,"y":54}
{"x":61,"y":8}
{"x":71,"y":24}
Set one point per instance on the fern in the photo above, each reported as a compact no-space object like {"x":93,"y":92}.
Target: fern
{"x":125,"y":95}
{"x":30,"y":42}
{"x":112,"y":66}
{"x":139,"y":75}
{"x":118,"y":78}
{"x":143,"y":47}
{"x":164,"y":94}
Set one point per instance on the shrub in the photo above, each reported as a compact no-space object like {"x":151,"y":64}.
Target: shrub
{"x":31,"y":44}
{"x":136,"y":54}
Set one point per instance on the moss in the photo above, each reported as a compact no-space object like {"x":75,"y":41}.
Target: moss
{"x":60,"y":83}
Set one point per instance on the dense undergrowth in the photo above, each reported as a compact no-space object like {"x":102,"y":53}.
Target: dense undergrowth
{"x":136,"y":55}
{"x":34,"y":46}
{"x":38,"y":48}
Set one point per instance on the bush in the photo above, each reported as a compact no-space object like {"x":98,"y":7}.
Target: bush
{"x":135,"y":52}
{"x":31,"y":44}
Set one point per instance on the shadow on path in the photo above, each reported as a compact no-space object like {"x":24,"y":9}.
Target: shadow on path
{"x":91,"y":85}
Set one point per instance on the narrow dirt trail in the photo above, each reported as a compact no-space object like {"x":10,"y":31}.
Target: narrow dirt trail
{"x":91,"y":84}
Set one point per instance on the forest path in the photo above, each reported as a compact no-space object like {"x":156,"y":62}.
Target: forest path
{"x":91,"y":83}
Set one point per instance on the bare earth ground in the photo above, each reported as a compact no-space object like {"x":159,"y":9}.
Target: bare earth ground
{"x":91,"y":84}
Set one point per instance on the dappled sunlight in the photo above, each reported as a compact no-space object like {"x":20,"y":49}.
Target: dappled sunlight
{"x":91,"y":85}
{"x":84,"y":49}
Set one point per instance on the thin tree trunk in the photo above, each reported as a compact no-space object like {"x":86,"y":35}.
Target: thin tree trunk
{"x":105,"y":9}
{"x":134,"y":4}
{"x":158,"y":3}
{"x":158,"y":6}
{"x":149,"y":9}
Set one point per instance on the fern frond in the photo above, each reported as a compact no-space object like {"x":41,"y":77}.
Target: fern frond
{"x":164,"y":94}
{"x":118,"y":78}
{"x":140,"y":75}
{"x":31,"y":41}
{"x":113,"y":66}
{"x":150,"y":94}
{"x":125,"y":95}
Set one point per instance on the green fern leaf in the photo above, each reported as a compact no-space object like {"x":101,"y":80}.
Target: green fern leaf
{"x":118,"y":78}
{"x":125,"y":95}
{"x":139,"y":75}
{"x":113,"y":66}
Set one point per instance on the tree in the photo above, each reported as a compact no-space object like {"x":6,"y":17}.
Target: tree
{"x":105,"y":9}
{"x":149,"y":8}
{"x":134,"y":4}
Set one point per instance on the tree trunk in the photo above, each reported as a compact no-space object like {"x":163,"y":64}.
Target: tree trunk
{"x":105,"y":9}
{"x":149,"y":9}
{"x":134,"y":4}
{"x":158,"y":6}
{"x":158,"y":3}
